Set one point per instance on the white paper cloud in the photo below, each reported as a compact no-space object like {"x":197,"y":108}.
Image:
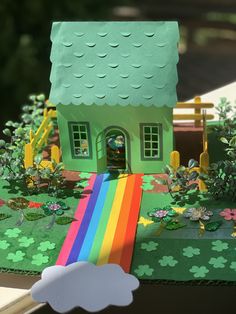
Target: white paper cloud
{"x":84,"y":285}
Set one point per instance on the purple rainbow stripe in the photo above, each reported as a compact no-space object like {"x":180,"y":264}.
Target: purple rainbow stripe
{"x":75,"y":225}
{"x":85,"y":222}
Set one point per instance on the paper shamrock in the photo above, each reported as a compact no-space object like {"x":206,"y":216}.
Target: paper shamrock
{"x":199,"y":272}
{"x":25,"y":241}
{"x":18,"y":256}
{"x":149,"y":246}
{"x":12,"y":233}
{"x":39,"y":259}
{"x":190,"y":251}
{"x":45,"y":246}
{"x":167,"y":261}
{"x":144,"y":270}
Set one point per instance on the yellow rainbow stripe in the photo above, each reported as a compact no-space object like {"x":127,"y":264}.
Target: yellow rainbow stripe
{"x":112,"y":223}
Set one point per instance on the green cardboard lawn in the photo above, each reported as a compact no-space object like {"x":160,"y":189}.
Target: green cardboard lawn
{"x":179,"y":255}
{"x":31,"y":247}
{"x":182,"y":254}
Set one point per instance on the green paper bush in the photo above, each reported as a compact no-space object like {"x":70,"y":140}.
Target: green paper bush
{"x":180,"y":181}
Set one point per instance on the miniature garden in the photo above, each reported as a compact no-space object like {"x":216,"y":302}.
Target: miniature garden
{"x":36,"y":204}
{"x":182,"y":233}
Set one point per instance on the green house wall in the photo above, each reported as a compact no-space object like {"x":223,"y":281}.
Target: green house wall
{"x":127,"y":118}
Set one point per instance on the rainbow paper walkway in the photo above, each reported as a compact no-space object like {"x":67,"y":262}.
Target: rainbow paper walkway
{"x":104,"y":231}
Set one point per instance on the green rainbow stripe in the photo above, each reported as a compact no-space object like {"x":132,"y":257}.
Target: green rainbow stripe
{"x":106,"y":232}
{"x":94,"y":254}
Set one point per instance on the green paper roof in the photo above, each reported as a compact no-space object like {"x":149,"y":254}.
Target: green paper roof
{"x":114,"y":63}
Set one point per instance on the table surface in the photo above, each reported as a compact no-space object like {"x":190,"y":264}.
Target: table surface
{"x":15,"y":289}
{"x":15,"y":293}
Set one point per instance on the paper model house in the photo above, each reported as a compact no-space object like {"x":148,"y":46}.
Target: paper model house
{"x":114,"y":87}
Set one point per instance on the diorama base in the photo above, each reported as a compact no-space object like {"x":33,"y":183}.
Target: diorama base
{"x":169,"y":256}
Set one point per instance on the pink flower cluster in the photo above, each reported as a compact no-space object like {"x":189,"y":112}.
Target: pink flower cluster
{"x":229,"y":214}
{"x":161,"y":213}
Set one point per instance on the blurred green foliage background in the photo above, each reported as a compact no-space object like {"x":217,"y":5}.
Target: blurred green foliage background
{"x":25,"y":44}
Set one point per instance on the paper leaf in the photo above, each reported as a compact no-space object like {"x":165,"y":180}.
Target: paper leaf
{"x":33,"y":216}
{"x":161,"y":181}
{"x":83,"y":184}
{"x":65,"y":220}
{"x":4,"y":216}
{"x":173,"y":225}
{"x":213,"y":226}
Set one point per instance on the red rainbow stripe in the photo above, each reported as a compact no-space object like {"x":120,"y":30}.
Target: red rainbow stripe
{"x":121,"y":248}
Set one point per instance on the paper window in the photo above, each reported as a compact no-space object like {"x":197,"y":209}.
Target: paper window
{"x":80,"y":137}
{"x":151,"y":141}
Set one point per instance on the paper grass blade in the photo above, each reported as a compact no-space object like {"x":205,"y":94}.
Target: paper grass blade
{"x":233,"y":234}
{"x":201,"y":228}
{"x":160,"y":229}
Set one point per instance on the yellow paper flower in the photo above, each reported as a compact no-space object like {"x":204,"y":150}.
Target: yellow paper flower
{"x":179,"y":210}
{"x":145,"y":222}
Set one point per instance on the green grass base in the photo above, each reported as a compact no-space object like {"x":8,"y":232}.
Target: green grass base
{"x":31,"y":229}
{"x":171,"y":243}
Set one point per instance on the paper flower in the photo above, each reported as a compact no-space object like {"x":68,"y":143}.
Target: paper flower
{"x":196,"y":214}
{"x":199,"y":272}
{"x":1,"y":202}
{"x":179,"y":210}
{"x":52,"y":207}
{"x":12,"y":233}
{"x":149,"y":246}
{"x":218,"y":262}
{"x":167,"y":261}
{"x":47,"y":245}
{"x":34,"y":204}
{"x":145,"y":222}
{"x":39,"y":259}
{"x":16,"y":257}
{"x":229,"y":214}
{"x":17,"y":203}
{"x":164,"y":214}
{"x":4,"y":244}
{"x":25,"y":242}
{"x":219,"y":246}
{"x":190,"y":251}
{"x":144,"y":270}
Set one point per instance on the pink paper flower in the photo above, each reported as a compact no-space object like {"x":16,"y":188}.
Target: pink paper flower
{"x":229,"y":214}
{"x":1,"y":202}
{"x":161,"y":213}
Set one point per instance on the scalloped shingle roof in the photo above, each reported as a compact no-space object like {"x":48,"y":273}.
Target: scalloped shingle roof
{"x":114,"y":63}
